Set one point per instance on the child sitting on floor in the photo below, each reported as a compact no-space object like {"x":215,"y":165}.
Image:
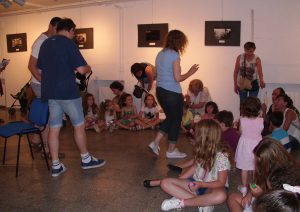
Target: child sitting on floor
{"x":203,"y":184}
{"x":211,"y":109}
{"x":278,"y":133}
{"x":107,"y":115}
{"x":91,"y":113}
{"x":129,"y":117}
{"x":229,"y":134}
{"x":187,"y":122}
{"x":149,"y":114}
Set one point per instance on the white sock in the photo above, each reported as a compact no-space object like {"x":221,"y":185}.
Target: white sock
{"x":86,"y":158}
{"x":56,"y":164}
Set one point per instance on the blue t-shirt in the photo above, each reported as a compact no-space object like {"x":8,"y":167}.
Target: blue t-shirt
{"x":281,"y":135}
{"x":58,"y":58}
{"x":164,"y":67}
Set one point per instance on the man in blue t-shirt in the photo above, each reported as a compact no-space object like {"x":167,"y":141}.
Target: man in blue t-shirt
{"x":59,"y":58}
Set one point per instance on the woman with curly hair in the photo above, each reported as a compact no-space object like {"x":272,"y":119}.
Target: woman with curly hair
{"x":169,"y":92}
{"x":197,"y":95}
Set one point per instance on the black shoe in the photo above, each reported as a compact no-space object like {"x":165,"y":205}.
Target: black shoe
{"x":147,"y":184}
{"x":174,"y":168}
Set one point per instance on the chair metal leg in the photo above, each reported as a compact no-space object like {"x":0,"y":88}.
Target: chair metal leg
{"x":4,"y":152}
{"x":44,"y":151}
{"x":18,"y":156}
{"x":29,"y":143}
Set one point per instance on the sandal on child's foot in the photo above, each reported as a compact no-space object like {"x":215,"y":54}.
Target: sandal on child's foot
{"x":147,"y":184}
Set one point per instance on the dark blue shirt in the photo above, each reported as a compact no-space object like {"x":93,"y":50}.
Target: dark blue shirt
{"x":58,"y":58}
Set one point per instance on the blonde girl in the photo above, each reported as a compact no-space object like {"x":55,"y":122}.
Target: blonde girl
{"x":149,"y":114}
{"x":204,"y":182}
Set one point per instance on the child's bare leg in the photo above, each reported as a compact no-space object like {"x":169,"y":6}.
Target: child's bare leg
{"x":122,"y":125}
{"x":234,"y":202}
{"x":210,"y":198}
{"x":244,"y":176}
{"x":177,"y":188}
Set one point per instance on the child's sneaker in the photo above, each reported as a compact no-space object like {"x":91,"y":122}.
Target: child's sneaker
{"x":60,"y":170}
{"x":175,"y":154}
{"x":242,"y":189}
{"x":94,"y":163}
{"x":154,"y":147}
{"x":170,"y":204}
{"x":206,"y":209}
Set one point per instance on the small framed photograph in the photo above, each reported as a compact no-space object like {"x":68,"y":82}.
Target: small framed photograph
{"x":152,"y":35}
{"x":222,"y":33}
{"x":84,"y":38}
{"x":16,"y":42}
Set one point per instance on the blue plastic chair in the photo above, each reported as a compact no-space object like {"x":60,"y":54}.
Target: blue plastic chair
{"x":38,"y":116}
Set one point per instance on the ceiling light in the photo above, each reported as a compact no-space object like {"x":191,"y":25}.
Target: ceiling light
{"x":5,"y":3}
{"x":19,"y":2}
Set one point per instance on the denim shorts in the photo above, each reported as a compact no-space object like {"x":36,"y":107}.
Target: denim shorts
{"x":199,"y":191}
{"x":202,"y":191}
{"x":72,"y":107}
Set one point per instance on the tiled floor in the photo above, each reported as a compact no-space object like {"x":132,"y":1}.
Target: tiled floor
{"x":115,"y":187}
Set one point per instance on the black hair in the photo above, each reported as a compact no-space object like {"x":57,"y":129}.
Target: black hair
{"x":54,"y":21}
{"x":116,"y":85}
{"x":225,"y":117}
{"x":276,"y":118}
{"x":214,"y":105}
{"x":251,"y":107}
{"x":135,"y":68}
{"x":277,"y":201}
{"x":65,"y":24}
{"x":249,"y":45}
{"x":281,"y":90}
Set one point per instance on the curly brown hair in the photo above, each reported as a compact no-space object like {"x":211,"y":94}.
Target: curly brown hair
{"x":251,"y":107}
{"x":196,"y":84}
{"x":208,"y":143}
{"x":176,"y":40}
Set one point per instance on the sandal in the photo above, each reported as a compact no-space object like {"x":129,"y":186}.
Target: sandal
{"x":174,"y":168}
{"x":147,"y":183}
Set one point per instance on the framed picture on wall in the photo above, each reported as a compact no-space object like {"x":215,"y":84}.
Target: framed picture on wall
{"x":16,"y":42}
{"x":84,"y":38}
{"x":222,"y":33}
{"x":152,"y":35}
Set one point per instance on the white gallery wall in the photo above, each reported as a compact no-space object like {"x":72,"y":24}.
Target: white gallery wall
{"x":275,"y":31}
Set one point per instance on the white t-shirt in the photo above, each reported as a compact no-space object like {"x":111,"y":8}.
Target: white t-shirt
{"x":35,"y":49}
{"x":149,"y":113}
{"x":202,"y":96}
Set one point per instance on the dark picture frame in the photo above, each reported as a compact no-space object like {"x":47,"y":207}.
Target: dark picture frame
{"x":222,"y":33}
{"x":16,"y":42}
{"x":84,"y":38}
{"x":152,"y":35}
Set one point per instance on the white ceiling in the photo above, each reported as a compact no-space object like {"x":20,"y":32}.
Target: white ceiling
{"x":48,"y":5}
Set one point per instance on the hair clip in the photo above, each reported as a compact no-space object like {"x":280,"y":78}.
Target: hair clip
{"x":294,"y":189}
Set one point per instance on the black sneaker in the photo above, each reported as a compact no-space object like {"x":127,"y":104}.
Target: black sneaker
{"x":174,"y":168}
{"x":57,"y":172}
{"x":94,"y":163}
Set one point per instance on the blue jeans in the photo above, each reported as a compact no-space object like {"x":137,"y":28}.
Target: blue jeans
{"x":245,"y":93}
{"x":172,"y":105}
{"x":72,"y":107}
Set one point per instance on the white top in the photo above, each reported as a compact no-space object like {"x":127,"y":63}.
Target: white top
{"x":221,"y":164}
{"x":294,"y":129}
{"x":35,"y":49}
{"x":149,"y":113}
{"x":202,"y":96}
